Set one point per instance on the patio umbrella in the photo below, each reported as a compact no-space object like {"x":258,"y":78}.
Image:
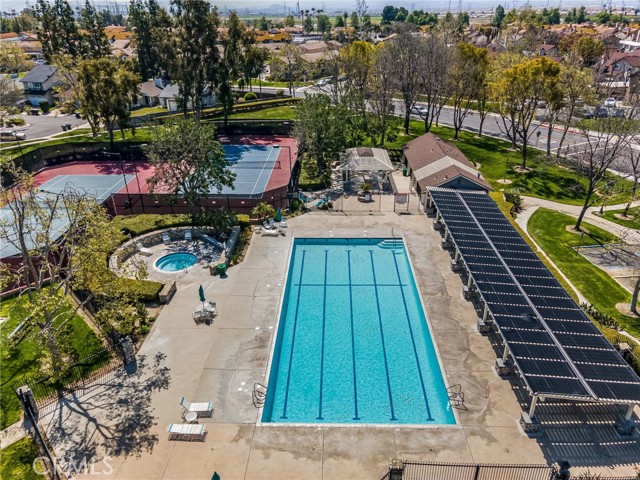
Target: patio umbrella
{"x":201,"y":293}
{"x":278,"y":217}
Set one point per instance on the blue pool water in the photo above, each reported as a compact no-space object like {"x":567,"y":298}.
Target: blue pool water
{"x":353,"y":344}
{"x":174,"y":262}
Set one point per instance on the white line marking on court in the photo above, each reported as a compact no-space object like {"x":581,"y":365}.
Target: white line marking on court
{"x":49,"y":184}
{"x":255,"y":185}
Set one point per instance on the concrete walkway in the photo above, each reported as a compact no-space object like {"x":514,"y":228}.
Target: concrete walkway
{"x":629,"y":235}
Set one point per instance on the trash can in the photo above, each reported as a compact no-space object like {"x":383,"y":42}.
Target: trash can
{"x":69,"y":127}
{"x":404,"y":172}
{"x":222,"y":269}
{"x":78,"y":115}
{"x":64,"y":128}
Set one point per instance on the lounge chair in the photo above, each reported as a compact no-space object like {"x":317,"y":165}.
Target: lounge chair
{"x":283,"y":222}
{"x":272,"y":223}
{"x":186,"y":431}
{"x":268,"y":226}
{"x":273,"y":232}
{"x":188,"y":235}
{"x":143,"y":250}
{"x":203,"y":409}
{"x":166,"y":238}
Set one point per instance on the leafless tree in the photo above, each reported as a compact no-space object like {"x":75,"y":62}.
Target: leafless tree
{"x":406,"y":51}
{"x":361,"y":8}
{"x":383,"y":88}
{"x":435,"y":60}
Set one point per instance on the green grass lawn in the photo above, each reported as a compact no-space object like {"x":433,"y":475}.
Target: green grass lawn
{"x":497,"y":161}
{"x":147,"y":110}
{"x":273,"y":113}
{"x":145,"y":223}
{"x":633,"y":217}
{"x":549,"y":230}
{"x":22,"y":359}
{"x":16,"y":460}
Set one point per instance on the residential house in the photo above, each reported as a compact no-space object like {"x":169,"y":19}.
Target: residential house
{"x":432,"y":162}
{"x":622,"y":73}
{"x":39,"y":84}
{"x":170,"y":95}
{"x":272,"y":36}
{"x":149,"y":92}
{"x":546,"y":50}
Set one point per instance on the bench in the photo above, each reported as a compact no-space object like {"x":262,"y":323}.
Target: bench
{"x":167,"y":292}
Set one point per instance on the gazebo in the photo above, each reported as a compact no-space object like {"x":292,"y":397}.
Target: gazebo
{"x":365,"y":160}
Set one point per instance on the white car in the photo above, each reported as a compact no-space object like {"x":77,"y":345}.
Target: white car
{"x":610,"y":102}
{"x":12,"y":135}
{"x":417,"y":110}
{"x":323,"y":82}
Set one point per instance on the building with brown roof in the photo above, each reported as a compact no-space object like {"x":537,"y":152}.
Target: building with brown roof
{"x":432,"y":162}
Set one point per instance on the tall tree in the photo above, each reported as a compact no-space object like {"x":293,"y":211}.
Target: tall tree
{"x":406,"y":50}
{"x":467,"y":77}
{"x":13,"y":59}
{"x":150,"y":24}
{"x":516,"y":91}
{"x":10,"y":94}
{"x":107,"y":87}
{"x":321,"y":131}
{"x":194,"y":57}
{"x":289,"y":21}
{"x":383,"y":87}
{"x":356,"y":63}
{"x":324,"y":24}
{"x":234,"y":45}
{"x":255,"y":61}
{"x":188,"y":161}
{"x":54,"y":262}
{"x":293,"y":64}
{"x":96,"y":43}
{"x":57,"y":29}
{"x":434,"y":58}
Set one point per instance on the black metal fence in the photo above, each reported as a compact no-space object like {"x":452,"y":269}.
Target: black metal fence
{"x":77,"y":377}
{"x":416,"y":470}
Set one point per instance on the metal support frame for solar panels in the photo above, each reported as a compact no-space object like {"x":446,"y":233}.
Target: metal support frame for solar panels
{"x":517,"y":283}
{"x":528,"y":300}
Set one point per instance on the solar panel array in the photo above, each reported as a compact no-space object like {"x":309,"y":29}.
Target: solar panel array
{"x":556,"y":347}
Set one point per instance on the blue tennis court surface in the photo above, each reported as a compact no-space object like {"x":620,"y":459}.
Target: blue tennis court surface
{"x":100,"y":186}
{"x":252,"y":165}
{"x":353,"y":345}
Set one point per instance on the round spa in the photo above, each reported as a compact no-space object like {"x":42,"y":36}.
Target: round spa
{"x":176,"y":262}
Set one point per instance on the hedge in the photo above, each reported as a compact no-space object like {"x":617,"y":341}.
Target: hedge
{"x":149,"y":222}
{"x":145,"y":290}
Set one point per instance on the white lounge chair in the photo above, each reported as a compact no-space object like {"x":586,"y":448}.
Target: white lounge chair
{"x":283,"y":223}
{"x":203,"y":409}
{"x":186,"y":431}
{"x":166,"y":238}
{"x":268,"y":226}
{"x":143,"y":250}
{"x":271,"y":232}
{"x":187,"y":235}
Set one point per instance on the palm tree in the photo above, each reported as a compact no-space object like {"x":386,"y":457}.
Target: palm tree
{"x":263,"y":210}
{"x":223,"y":220}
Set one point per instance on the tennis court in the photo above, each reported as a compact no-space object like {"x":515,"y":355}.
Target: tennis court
{"x":252,"y":165}
{"x":100,"y":186}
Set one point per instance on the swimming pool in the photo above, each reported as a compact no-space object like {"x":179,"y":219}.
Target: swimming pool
{"x":353,"y":345}
{"x":176,"y":262}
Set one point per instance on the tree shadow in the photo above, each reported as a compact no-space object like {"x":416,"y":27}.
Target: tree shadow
{"x":115,"y":417}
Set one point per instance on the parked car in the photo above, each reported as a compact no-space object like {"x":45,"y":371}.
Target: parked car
{"x":617,"y":113}
{"x":40,"y":62}
{"x":322,"y":82}
{"x":12,"y":135}
{"x":610,"y":102}
{"x":418,"y":110}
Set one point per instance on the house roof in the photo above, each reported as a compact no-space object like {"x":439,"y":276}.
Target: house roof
{"x":170,"y":91}
{"x":150,"y":89}
{"x":366,"y":159}
{"x":39,"y":74}
{"x":435,"y":162}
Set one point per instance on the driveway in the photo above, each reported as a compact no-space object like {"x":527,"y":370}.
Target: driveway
{"x":40,"y":126}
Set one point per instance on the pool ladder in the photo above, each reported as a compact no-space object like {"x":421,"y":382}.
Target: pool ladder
{"x":259,"y":395}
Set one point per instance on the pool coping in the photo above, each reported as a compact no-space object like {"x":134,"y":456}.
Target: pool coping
{"x":155,"y":263}
{"x":260,"y":423}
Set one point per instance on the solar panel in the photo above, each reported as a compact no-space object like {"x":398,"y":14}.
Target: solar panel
{"x":556,"y":347}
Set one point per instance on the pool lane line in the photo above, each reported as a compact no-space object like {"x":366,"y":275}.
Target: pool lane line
{"x":349,"y":284}
{"x":384,"y":348}
{"x":324,"y":323}
{"x":413,"y":340}
{"x":293,"y":341}
{"x":353,"y":341}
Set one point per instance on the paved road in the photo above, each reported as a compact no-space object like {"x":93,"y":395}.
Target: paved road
{"x":46,"y":125}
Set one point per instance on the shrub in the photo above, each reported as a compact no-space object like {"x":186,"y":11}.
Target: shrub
{"x":243,"y":220}
{"x":17,"y":121}
{"x":310,"y":176}
{"x":513,"y":196}
{"x":366,"y":187}
{"x":602,"y":318}
{"x":250,"y":96}
{"x":280,"y":93}
{"x":44,"y":106}
{"x":144,"y":290}
{"x":296,"y":205}
{"x":68,"y":107}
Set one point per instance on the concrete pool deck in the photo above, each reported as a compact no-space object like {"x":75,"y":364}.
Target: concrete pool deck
{"x":123,"y":420}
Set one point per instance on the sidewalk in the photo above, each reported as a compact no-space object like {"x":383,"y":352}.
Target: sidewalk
{"x":629,"y":235}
